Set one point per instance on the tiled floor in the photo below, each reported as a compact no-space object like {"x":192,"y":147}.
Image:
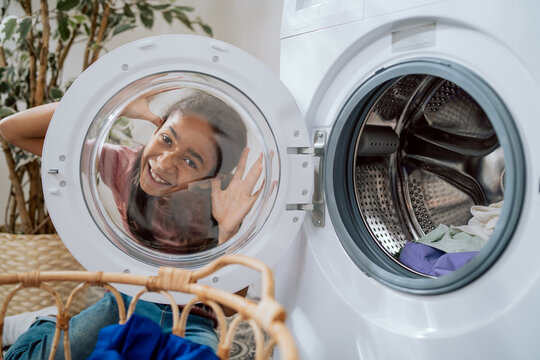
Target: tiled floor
{"x":243,"y":347}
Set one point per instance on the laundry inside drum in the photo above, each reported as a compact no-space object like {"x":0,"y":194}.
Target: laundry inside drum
{"x":429,"y":174}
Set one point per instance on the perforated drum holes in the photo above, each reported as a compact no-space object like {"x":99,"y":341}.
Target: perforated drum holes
{"x":435,"y":201}
{"x":378,"y":209}
{"x":394,"y":100}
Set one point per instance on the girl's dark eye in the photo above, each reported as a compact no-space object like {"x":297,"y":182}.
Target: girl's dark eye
{"x":166,"y":139}
{"x":190,"y":163}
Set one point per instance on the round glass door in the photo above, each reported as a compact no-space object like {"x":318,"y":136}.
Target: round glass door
{"x":176,"y":169}
{"x":162,"y":156}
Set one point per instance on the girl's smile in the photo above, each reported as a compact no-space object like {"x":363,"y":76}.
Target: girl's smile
{"x":156,"y":177}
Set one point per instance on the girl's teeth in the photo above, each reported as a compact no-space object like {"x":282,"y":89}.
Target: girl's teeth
{"x":157,"y":178}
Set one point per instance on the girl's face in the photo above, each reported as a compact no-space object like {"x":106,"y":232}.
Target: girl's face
{"x":183,"y":150}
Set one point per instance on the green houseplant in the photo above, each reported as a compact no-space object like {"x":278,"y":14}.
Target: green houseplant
{"x":34,"y":48}
{"x":33,"y":51}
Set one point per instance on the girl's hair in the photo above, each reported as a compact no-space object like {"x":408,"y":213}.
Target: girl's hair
{"x":187,"y":214}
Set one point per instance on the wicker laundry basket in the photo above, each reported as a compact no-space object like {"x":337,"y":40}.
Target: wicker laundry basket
{"x":266,"y":317}
{"x":22,"y":253}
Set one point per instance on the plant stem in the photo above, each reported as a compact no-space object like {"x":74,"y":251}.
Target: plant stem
{"x":101,"y":33}
{"x":41,"y":225}
{"x":42,"y":74}
{"x":63,"y":55}
{"x":17,"y":187}
{"x":27,"y":7}
{"x":55,"y":72}
{"x":3,"y":62}
{"x":32,"y":192}
{"x":12,"y":206}
{"x":95,"y":11}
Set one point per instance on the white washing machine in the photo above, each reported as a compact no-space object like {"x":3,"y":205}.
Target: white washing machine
{"x":356,"y":66}
{"x":391,"y":120}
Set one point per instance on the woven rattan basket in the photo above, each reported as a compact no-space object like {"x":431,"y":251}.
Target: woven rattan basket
{"x":266,"y":317}
{"x":23,"y":253}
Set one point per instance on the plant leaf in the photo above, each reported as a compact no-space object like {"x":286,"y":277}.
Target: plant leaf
{"x":147,"y":18}
{"x":143,"y":6}
{"x":8,"y":26}
{"x":128,"y":12}
{"x":79,"y":18}
{"x":207,"y":29}
{"x":184,"y":19}
{"x":167,"y":15}
{"x":66,"y":5}
{"x":55,"y":93}
{"x":185,"y":8}
{"x":6,"y":111}
{"x":10,"y":101}
{"x":122,"y":27}
{"x":159,"y":7}
{"x":4,"y":87}
{"x":25,"y":24}
{"x":63,"y":27}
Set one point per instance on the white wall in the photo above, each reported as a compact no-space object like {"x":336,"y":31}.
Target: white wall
{"x":252,"y":25}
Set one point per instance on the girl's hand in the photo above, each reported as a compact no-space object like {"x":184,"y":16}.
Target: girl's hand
{"x":140,"y":107}
{"x":230,"y":206}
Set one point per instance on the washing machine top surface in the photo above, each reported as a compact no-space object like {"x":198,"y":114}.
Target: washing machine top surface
{"x":163,"y":153}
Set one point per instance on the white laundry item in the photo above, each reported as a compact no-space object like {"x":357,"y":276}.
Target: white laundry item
{"x":16,"y":325}
{"x":483,"y":221}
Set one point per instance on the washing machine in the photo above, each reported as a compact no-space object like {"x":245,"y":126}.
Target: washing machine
{"x":389,"y":120}
{"x":419,"y":111}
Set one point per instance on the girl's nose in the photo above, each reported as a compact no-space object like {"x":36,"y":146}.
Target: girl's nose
{"x":167,"y":161}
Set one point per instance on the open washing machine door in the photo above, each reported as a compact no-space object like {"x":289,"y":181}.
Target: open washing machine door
{"x":115,"y":204}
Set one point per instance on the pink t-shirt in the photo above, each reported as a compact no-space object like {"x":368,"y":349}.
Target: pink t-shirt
{"x":116,"y":170}
{"x":183,"y":217}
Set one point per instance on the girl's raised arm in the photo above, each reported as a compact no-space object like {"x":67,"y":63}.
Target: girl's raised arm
{"x":27,"y":129}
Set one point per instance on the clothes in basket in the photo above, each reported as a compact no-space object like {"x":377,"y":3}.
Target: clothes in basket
{"x":141,"y":338}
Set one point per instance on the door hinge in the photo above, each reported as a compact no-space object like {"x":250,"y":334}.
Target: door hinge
{"x":319,"y":146}
{"x":317,"y":207}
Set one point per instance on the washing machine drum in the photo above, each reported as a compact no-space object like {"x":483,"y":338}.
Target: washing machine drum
{"x":422,"y":162}
{"x":163,"y":154}
{"x":449,"y":160}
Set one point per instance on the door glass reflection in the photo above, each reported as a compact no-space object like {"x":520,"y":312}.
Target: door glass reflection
{"x":182,"y":169}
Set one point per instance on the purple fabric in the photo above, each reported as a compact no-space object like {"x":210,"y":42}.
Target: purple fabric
{"x":431,"y":261}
